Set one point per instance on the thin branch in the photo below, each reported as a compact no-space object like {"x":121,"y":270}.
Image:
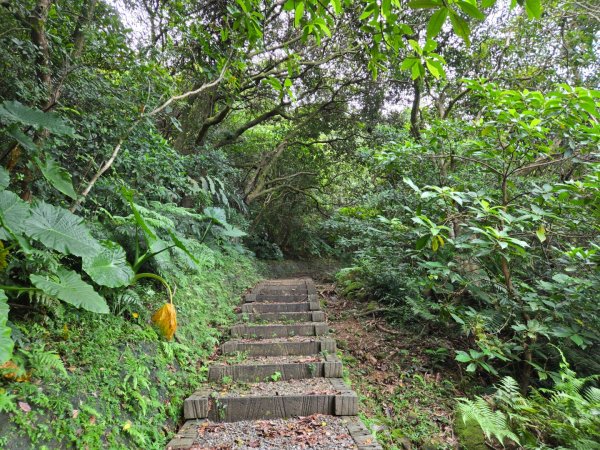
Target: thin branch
{"x":190,"y":93}
{"x":492,"y":168}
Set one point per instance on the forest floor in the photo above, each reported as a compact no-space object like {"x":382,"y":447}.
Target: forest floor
{"x":405,"y":380}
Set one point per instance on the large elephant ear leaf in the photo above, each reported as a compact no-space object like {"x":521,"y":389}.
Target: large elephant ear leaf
{"x":4,"y":178}
{"x":61,"y":230}
{"x":180,"y":244}
{"x":68,"y":286}
{"x":109,"y":267}
{"x":6,"y":343}
{"x":149,"y":234}
{"x":13,"y":111}
{"x":13,"y":212}
{"x":231,"y":231}
{"x":57,"y":176}
{"x":215,"y":215}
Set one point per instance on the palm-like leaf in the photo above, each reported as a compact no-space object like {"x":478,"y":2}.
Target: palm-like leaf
{"x":109,"y":267}
{"x":59,"y":229}
{"x":68,"y":286}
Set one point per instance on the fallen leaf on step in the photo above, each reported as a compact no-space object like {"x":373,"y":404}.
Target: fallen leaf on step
{"x":24,"y":406}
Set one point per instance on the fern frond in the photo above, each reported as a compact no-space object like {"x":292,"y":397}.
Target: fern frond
{"x":45,"y":363}
{"x":492,"y":423}
{"x":592,"y":395}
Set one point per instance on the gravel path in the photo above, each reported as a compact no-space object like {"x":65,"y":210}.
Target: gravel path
{"x":312,"y":432}
{"x":309,"y":386}
{"x":258,"y":360}
{"x":282,"y":339}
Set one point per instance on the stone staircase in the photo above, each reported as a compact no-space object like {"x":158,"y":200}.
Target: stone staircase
{"x":280,"y":367}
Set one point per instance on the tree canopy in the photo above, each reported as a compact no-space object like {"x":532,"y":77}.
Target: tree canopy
{"x":445,"y":150}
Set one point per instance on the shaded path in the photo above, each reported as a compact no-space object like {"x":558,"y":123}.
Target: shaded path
{"x":278,"y":382}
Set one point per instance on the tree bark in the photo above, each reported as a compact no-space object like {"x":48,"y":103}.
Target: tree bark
{"x":415,"y":126}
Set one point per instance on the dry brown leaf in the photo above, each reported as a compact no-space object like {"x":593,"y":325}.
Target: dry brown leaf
{"x":11,"y":371}
{"x":24,"y":406}
{"x":166,"y":320}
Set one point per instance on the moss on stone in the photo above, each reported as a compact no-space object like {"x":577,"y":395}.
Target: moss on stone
{"x":470,"y":436}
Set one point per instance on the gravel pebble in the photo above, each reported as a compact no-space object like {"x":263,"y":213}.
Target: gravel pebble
{"x":316,"y":432}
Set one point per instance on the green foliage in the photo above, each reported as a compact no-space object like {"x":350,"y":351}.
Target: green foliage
{"x":137,"y":378}
{"x":6,"y":343}
{"x":562,"y":416}
{"x":109,"y":267}
{"x":68,"y":286}
{"x":60,"y":230}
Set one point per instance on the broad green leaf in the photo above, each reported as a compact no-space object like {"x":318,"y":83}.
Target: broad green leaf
{"x":430,"y":45}
{"x":6,"y":343}
{"x":181,"y":246}
{"x":541,"y":233}
{"x":298,"y":13}
{"x":4,"y":178}
{"x":470,"y":9}
{"x":337,"y":6}
{"x":61,"y":230}
{"x":422,"y":242}
{"x":231,"y":231}
{"x":533,"y":8}
{"x":408,"y":63}
{"x":369,"y":10}
{"x":24,"y":140}
{"x":13,"y":213}
{"x":14,"y":111}
{"x":424,"y":4}
{"x":149,"y":234}
{"x":577,"y":339}
{"x":413,"y":186}
{"x":437,"y":22}
{"x":461,"y":28}
{"x":462,"y":356}
{"x":433,"y":69}
{"x":216,"y":215}
{"x":68,"y":286}
{"x":57,"y":176}
{"x":109,"y":267}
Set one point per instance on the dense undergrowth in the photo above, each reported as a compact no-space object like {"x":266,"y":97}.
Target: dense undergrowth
{"x":112,"y":381}
{"x":446,"y":151}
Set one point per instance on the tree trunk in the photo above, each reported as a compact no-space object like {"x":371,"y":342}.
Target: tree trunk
{"x":414,"y":113}
{"x":200,"y":109}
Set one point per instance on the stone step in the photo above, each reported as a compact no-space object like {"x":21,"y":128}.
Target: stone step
{"x":202,"y":434}
{"x":279,"y":330}
{"x":307,"y":316}
{"x":255,"y":369}
{"x":298,"y":346}
{"x":280,"y":400}
{"x":280,"y":307}
{"x":288,"y":288}
{"x":282,"y":292}
{"x":268,"y":298}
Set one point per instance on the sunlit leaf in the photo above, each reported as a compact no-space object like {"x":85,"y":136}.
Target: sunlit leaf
{"x":437,"y":22}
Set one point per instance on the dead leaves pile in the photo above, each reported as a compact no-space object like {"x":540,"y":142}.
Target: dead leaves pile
{"x":303,"y":432}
